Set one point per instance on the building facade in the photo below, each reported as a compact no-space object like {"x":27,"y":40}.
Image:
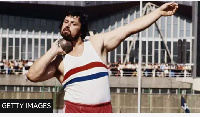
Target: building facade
{"x":29,"y":38}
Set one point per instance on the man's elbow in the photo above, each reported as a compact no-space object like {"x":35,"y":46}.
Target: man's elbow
{"x":31,"y":77}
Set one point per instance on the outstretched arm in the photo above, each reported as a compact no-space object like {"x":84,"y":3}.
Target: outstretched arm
{"x":113,"y":38}
{"x":45,"y":67}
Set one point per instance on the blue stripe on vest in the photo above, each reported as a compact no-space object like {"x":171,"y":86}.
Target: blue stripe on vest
{"x":85,"y":78}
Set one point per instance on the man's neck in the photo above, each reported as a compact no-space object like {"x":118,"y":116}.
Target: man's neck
{"x":78,"y":42}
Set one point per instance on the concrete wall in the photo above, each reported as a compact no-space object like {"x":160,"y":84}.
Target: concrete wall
{"x":123,"y":102}
{"x":147,"y":82}
{"x":22,"y":81}
{"x":127,"y":103}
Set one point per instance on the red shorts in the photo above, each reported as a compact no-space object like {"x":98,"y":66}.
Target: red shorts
{"x":71,"y":107}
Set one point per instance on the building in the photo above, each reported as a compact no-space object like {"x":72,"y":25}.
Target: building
{"x":28,"y":28}
{"x":28,"y":34}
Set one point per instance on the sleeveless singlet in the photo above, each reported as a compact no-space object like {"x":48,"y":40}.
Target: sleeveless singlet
{"x":86,"y":78}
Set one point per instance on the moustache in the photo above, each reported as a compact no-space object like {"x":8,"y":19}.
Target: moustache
{"x":66,"y":29}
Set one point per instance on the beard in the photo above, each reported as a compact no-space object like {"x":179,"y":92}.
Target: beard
{"x":67,"y":35}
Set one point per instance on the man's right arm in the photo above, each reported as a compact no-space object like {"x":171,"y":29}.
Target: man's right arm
{"x":45,"y":67}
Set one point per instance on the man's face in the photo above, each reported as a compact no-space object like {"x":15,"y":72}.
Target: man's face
{"x":71,"y":28}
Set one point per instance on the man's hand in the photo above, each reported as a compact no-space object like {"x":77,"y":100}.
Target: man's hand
{"x":57,"y":49}
{"x":168,"y":9}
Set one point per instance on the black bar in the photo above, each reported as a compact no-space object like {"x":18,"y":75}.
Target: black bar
{"x":26,"y":105}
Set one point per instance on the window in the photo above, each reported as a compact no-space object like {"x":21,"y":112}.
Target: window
{"x":137,"y":12}
{"x":150,"y":51}
{"x":4,"y":23}
{"x":162,"y":52}
{"x":188,"y":53}
{"x":113,"y":90}
{"x":119,"y":18}
{"x":23,"y":48}
{"x":164,"y":91}
{"x":30,"y":48}
{"x":173,"y":91}
{"x":36,"y":89}
{"x":130,"y":90}
{"x":175,"y":51}
{"x":16,"y":48}
{"x":106,"y":24}
{"x":42,"y":48}
{"x":43,"y":26}
{"x":144,"y":33}
{"x":17,"y":25}
{"x":162,"y":28}
{"x":155,"y":90}
{"x":2,"y":88}
{"x":48,"y":44}
{"x":4,"y":41}
{"x":11,"y":24}
{"x":112,"y":56}
{"x":37,"y":26}
{"x":169,"y":47}
{"x":188,"y":28}
{"x":10,"y":88}
{"x":169,"y":26}
{"x":136,"y":53}
{"x":143,"y":51}
{"x":150,"y":33}
{"x":36,"y":42}
{"x":146,"y":90}
{"x":100,"y":26}
{"x":122,"y":90}
{"x":10,"y":48}
{"x":181,"y":27}
{"x":175,"y":27}
{"x":24,"y":25}
{"x":156,"y":52}
{"x":112,"y":22}
{"x":125,"y":21}
{"x":131,"y":12}
{"x":49,"y":27}
{"x":156,"y":34}
{"x":56,"y":29}
{"x":119,"y":53}
{"x":30,"y":26}
{"x":125,"y":46}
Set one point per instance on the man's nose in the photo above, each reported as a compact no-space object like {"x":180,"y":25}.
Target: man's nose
{"x":68,"y":25}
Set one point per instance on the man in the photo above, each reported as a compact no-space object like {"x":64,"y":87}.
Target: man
{"x":83,"y":72}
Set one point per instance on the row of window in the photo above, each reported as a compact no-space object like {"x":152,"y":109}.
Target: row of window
{"x":153,"y":91}
{"x":25,"y":48}
{"x":175,"y":26}
{"x":112,"y":90}
{"x":152,"y":52}
{"x":30,"y":88}
{"x":17,"y":25}
{"x":29,"y":38}
{"x":32,"y":49}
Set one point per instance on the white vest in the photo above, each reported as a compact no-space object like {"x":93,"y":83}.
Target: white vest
{"x":86,"y":78}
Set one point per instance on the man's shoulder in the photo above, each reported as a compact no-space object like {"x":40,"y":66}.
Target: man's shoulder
{"x":97,"y":38}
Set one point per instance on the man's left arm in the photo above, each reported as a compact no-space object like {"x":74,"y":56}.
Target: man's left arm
{"x":113,"y":38}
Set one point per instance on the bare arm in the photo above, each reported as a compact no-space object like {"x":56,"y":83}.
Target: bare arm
{"x":112,"y":39}
{"x":45,"y":67}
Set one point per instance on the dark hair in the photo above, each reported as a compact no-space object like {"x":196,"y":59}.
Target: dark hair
{"x":83,"y":21}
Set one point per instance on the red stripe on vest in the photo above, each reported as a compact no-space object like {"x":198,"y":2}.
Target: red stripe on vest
{"x":83,"y":68}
